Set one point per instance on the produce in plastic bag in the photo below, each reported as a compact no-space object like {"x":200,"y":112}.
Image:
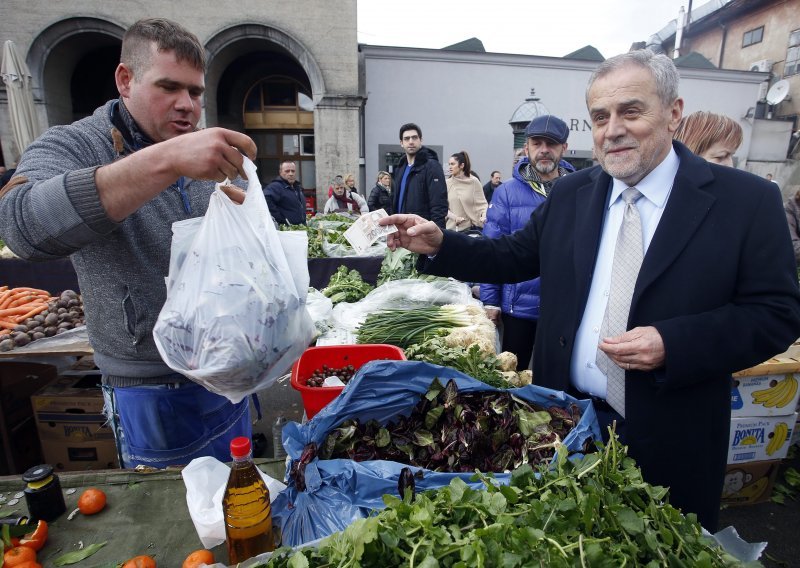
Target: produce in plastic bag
{"x":402,"y":294}
{"x":235,"y":317}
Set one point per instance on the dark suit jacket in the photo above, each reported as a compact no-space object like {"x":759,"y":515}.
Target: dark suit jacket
{"x":718,"y":282}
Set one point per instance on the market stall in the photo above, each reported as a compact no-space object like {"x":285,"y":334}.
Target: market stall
{"x":146,"y":513}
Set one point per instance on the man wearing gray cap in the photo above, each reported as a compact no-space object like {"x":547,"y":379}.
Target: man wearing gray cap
{"x":512,"y":204}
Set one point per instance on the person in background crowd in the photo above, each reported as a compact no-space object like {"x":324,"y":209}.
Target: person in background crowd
{"x":713,"y":137}
{"x":105,"y":191}
{"x":285,"y":198}
{"x":792,"y":208}
{"x":489,"y":187}
{"x":466,"y":203}
{"x":343,"y":200}
{"x":769,"y":178}
{"x":381,"y":195}
{"x":350,"y":184}
{"x":689,"y":259}
{"x":517,"y":304}
{"x":419,"y":179}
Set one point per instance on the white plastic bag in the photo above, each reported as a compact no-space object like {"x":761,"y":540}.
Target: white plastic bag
{"x":205,"y":479}
{"x":235,"y":317}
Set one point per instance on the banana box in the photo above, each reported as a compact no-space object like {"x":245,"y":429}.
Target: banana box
{"x":759,"y":438}
{"x":764,"y":394}
{"x":749,"y":483}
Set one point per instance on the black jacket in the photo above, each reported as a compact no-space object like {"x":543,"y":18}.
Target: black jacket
{"x":426,"y":191}
{"x":380,"y":198}
{"x":286,"y":201}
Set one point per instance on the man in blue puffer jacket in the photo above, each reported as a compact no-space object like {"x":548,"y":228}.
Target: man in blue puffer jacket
{"x":512,"y":204}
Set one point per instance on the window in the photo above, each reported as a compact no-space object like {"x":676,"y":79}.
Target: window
{"x":792,"y":65}
{"x":753,"y":36}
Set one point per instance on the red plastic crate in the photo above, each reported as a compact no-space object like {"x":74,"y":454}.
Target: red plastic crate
{"x":336,"y":356}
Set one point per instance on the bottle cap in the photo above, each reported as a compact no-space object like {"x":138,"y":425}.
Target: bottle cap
{"x":240,"y":447}
{"x":37,"y":473}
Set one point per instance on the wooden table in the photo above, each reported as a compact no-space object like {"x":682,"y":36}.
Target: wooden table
{"x":146,"y":513}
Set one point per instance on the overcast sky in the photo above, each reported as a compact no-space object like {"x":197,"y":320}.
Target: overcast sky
{"x":532,"y":27}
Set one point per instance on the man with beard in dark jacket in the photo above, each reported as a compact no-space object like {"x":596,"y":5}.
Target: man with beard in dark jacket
{"x":419,"y":179}
{"x":285,"y":198}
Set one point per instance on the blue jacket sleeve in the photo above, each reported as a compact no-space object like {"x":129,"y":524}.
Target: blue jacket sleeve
{"x":498,"y":223}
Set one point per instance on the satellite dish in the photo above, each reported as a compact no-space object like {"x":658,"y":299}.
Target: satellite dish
{"x":778,"y":92}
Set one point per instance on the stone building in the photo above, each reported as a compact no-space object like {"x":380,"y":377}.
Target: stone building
{"x":286,"y":73}
{"x":760,"y":36}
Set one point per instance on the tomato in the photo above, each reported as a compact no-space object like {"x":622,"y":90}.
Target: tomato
{"x":36,"y":538}
{"x":29,"y":564}
{"x":198,"y":558}
{"x":140,"y":562}
{"x":17,"y":556}
{"x":91,"y":501}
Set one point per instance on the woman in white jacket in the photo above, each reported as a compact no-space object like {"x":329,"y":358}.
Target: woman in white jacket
{"x":465,"y":199}
{"x":344,"y":201}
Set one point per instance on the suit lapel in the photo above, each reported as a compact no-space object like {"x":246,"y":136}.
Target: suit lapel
{"x":590,"y":205}
{"x":685,"y":210}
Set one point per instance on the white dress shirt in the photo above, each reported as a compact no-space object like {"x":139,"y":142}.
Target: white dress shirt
{"x":655,"y":189}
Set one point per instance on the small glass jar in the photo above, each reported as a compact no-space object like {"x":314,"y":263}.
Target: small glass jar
{"x":43,"y":493}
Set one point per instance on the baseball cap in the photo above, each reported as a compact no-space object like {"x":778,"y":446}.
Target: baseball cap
{"x":548,"y":126}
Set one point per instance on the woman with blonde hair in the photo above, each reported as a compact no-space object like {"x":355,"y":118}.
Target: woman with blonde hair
{"x":466,"y":201}
{"x":714,"y":137}
{"x":381,"y":195}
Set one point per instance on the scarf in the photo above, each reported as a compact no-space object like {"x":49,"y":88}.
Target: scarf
{"x":530,"y":175}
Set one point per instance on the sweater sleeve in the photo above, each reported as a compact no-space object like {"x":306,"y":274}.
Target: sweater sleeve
{"x":56,"y":210}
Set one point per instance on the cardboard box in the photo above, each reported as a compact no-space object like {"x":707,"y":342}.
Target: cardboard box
{"x":749,"y":483}
{"x":769,"y":389}
{"x":753,"y":438}
{"x":71,"y":424}
{"x":765,"y":395}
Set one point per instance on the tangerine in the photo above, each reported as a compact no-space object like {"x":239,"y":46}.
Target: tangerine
{"x":18,"y":555}
{"x":142,"y":561}
{"x":91,"y":501}
{"x":198,"y":558}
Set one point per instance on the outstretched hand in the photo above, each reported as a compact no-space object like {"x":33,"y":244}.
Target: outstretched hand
{"x":413,"y":233}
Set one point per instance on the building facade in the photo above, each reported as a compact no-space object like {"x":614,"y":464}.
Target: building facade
{"x":466,"y":100}
{"x":760,"y":36}
{"x":286,"y":73}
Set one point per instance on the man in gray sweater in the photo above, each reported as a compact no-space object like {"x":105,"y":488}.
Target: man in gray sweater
{"x":105,"y":191}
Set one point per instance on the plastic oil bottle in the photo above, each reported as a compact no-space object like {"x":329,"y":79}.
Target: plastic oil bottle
{"x":246,"y":507}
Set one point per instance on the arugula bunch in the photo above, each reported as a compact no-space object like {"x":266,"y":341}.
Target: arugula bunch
{"x":346,"y":286}
{"x":589,"y":511}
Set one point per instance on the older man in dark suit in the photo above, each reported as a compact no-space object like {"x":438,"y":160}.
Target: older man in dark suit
{"x":692,"y":258}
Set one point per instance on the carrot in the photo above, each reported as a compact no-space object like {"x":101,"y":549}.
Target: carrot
{"x":26,"y":300}
{"x":5,"y":324}
{"x":34,"y":310}
{"x":3,"y":288}
{"x":14,"y":311}
{"x":33,"y":290}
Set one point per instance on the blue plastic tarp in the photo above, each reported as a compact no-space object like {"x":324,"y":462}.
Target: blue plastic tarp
{"x":340,"y":491}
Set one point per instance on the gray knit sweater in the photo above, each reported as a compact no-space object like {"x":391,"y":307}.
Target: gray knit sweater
{"x":121,"y":266}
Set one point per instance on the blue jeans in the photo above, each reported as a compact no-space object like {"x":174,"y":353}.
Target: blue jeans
{"x":171,"y":424}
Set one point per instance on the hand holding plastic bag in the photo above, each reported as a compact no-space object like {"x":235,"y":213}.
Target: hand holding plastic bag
{"x":235,"y":317}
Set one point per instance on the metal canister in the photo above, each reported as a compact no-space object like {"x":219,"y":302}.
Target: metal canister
{"x":43,"y":493}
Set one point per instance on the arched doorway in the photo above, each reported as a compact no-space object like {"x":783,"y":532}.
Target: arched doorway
{"x":265,"y":83}
{"x":73,"y":61}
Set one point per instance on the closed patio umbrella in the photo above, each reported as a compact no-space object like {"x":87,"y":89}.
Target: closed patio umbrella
{"x":17,"y":78}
